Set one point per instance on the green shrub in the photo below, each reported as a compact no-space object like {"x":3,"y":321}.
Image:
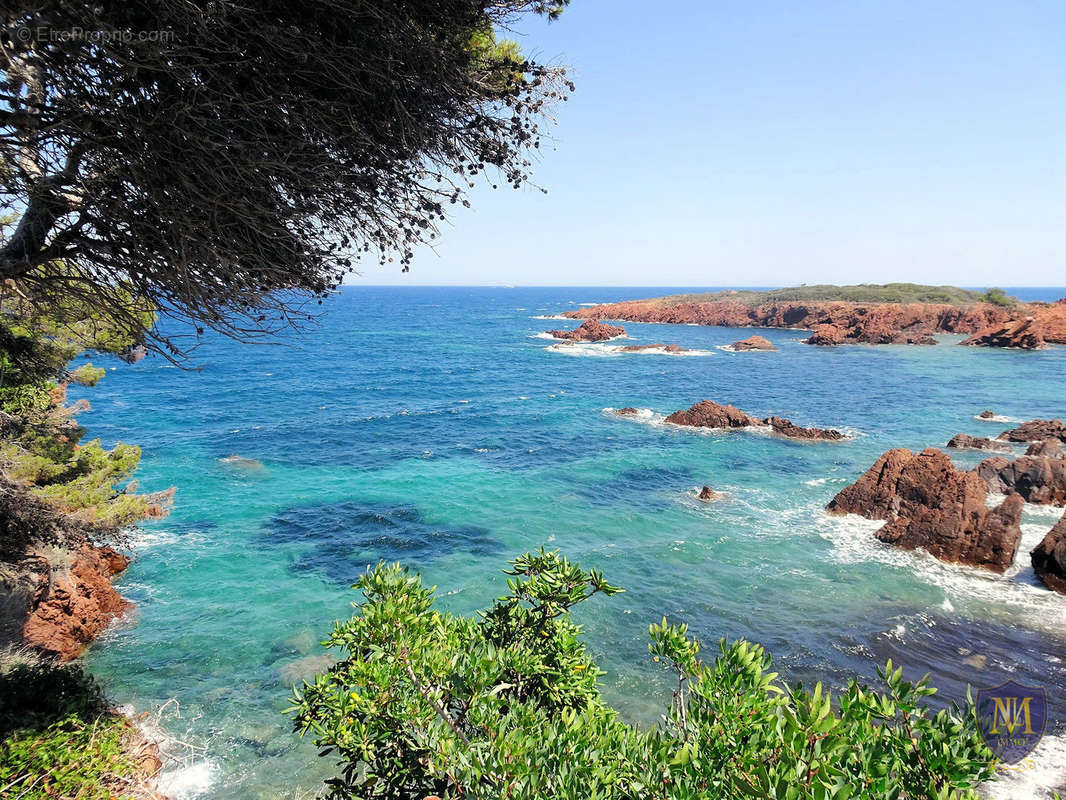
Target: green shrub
{"x":998,"y":297}
{"x":58,"y":738}
{"x":427,"y":704}
{"x":87,"y":374}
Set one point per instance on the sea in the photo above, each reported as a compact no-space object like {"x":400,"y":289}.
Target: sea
{"x":438,"y":427}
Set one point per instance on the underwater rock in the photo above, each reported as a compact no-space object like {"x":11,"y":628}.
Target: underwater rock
{"x":591,"y":330}
{"x":666,"y":348}
{"x":1049,"y":558}
{"x":240,"y":462}
{"x":930,"y":504}
{"x":963,"y":441}
{"x":628,"y":411}
{"x":753,"y":343}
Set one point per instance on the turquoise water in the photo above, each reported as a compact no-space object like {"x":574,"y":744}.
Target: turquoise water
{"x":432,"y":426}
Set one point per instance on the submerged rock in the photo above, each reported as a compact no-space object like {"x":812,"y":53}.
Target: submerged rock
{"x":707,"y":494}
{"x":930,"y":504}
{"x":1036,"y":430}
{"x":1049,"y":558}
{"x":240,"y":462}
{"x":753,"y":343}
{"x":628,"y":411}
{"x":963,"y":441}
{"x":1038,"y":480}
{"x":1024,"y":334}
{"x":591,"y":330}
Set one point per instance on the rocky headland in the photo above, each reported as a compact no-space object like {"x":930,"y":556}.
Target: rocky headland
{"x":928,"y":503}
{"x":708,"y":414}
{"x":882,"y":319}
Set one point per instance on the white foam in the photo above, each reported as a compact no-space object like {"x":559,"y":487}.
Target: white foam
{"x":544,"y":335}
{"x":549,"y":316}
{"x":824,"y":481}
{"x":1018,"y":591}
{"x":590,"y":304}
{"x":995,"y":418}
{"x":188,"y":782}
{"x":1035,"y":777}
{"x":601,"y":350}
{"x":645,"y":415}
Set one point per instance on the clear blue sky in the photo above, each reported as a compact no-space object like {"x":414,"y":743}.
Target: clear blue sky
{"x":781,"y":142}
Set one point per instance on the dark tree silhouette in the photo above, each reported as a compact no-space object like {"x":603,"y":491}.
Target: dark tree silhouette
{"x":228,"y":162}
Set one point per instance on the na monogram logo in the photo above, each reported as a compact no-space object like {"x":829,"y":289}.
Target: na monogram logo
{"x":1012,"y":719}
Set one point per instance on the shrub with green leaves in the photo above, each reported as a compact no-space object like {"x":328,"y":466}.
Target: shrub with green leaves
{"x":507,"y":705}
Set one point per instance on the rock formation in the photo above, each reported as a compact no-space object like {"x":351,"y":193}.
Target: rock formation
{"x":930,"y":504}
{"x":753,"y":343}
{"x":1049,"y":558}
{"x":628,"y":411}
{"x":785,"y":427}
{"x":1023,"y":334}
{"x":988,"y":413}
{"x":1038,"y":480}
{"x":1048,"y":448}
{"x":706,"y":414}
{"x":963,"y":441}
{"x":707,"y":494}
{"x":71,"y":607}
{"x":1035,"y":431}
{"x":591,"y":330}
{"x":666,"y":348}
{"x":826,"y":336}
{"x":850,"y":323}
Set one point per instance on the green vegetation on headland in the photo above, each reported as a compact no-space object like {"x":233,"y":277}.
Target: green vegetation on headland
{"x":430,"y":704}
{"x":860,"y":293}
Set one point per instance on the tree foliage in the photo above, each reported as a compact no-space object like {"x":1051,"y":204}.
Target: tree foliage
{"x":225,"y":162}
{"x":426,"y":703}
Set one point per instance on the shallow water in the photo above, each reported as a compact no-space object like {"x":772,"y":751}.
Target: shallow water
{"x":433,"y":426}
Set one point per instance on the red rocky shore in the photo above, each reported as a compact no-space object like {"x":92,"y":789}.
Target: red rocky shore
{"x":1025,"y":326}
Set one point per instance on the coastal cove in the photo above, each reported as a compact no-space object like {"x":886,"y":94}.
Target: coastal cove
{"x":438,"y":427}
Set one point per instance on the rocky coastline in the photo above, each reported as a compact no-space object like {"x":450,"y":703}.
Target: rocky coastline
{"x":1023,"y":326}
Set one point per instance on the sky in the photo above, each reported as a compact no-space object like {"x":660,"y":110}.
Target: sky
{"x":775,"y":143}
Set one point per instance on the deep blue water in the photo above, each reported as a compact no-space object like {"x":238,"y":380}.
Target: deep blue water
{"x":432,"y":426}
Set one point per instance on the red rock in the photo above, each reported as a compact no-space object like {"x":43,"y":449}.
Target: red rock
{"x":930,"y":504}
{"x":785,"y":427}
{"x":591,"y":330}
{"x":1038,"y":480}
{"x":72,"y":607}
{"x":826,"y":336}
{"x":1048,"y":448}
{"x":707,"y":494}
{"x":1024,"y":334}
{"x":962,"y":441}
{"x":1049,"y":558}
{"x":1035,"y":431}
{"x":636,"y":348}
{"x":706,"y":414}
{"x":753,"y":343}
{"x":988,"y":413}
{"x":628,"y":411}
